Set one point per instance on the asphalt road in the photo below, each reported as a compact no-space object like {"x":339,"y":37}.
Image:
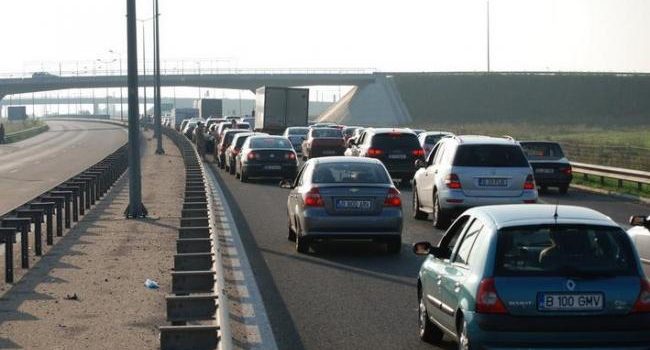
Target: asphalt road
{"x":30,"y":167}
{"x":346,"y":295}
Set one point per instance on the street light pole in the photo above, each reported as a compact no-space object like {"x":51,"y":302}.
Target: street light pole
{"x":488,"y":35}
{"x":120,"y":75}
{"x":157,"y":99}
{"x":135,"y":209}
{"x":144,"y":74}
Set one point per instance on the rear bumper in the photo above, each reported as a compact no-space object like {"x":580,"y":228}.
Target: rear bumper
{"x":325,"y":151}
{"x":318,"y":223}
{"x":396,"y":171}
{"x":259,"y":170}
{"x":553,"y":180}
{"x":457,"y":200}
{"x":593,"y":332}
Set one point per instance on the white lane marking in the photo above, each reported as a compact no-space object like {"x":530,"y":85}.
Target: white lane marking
{"x":250,"y":291}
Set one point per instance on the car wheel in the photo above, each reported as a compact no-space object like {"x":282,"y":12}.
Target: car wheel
{"x":242,"y":176}
{"x":441,"y":217}
{"x":227,"y":168}
{"x":394,"y":245}
{"x":232,"y":170}
{"x":563,"y":189}
{"x":464,"y":343}
{"x":237,"y":167}
{"x":417,"y":213}
{"x":429,"y":332}
{"x":302,"y":244}
{"x":292,"y":232}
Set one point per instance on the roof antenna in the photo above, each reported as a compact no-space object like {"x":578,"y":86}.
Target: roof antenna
{"x":557,"y":204}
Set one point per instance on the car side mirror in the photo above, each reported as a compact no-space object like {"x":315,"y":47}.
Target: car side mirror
{"x":639,"y":220}
{"x":286,"y":183}
{"x":419,"y":163}
{"x":422,"y":248}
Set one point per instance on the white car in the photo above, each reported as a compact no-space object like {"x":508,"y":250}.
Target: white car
{"x":640,"y":234}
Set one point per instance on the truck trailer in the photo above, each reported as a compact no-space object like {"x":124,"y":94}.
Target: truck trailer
{"x":277,"y":108}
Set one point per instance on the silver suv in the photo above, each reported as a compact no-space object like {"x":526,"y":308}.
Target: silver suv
{"x":462,"y":172}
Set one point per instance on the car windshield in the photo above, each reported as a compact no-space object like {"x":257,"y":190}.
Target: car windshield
{"x":349,"y":172}
{"x":561,"y":250}
{"x":433,"y":139}
{"x":296,"y":138}
{"x":349,"y":131}
{"x":490,"y":156}
{"x":270,"y":142}
{"x":326,"y":132}
{"x":396,"y":140}
{"x":542,"y":150}
{"x":298,"y":131}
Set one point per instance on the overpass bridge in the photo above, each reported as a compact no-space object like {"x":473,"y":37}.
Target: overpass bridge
{"x":374,"y":100}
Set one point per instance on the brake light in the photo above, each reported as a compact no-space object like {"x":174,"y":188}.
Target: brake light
{"x":418,"y":152}
{"x":487,"y":299}
{"x":392,"y":198}
{"x":374,"y":152}
{"x":289,"y":155}
{"x":566,"y":170}
{"x":253,"y":155}
{"x":452,"y":181}
{"x":312,"y":198}
{"x":530,"y":183}
{"x":643,"y":301}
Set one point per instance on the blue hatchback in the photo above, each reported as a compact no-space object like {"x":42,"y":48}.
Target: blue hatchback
{"x":534,"y":276}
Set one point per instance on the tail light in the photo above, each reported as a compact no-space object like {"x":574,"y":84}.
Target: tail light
{"x":289,"y":155}
{"x":643,"y":301}
{"x":374,"y":152}
{"x":253,"y":155}
{"x":452,"y":181}
{"x":487,"y":299}
{"x":566,"y":170}
{"x":392,"y":198}
{"x":312,"y":198}
{"x":418,"y":152}
{"x":530,"y":183}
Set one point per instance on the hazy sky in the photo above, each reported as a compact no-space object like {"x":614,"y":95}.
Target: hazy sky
{"x":406,"y":35}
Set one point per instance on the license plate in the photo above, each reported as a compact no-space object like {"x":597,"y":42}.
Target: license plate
{"x":397,"y":156}
{"x":352,"y":204}
{"x":329,"y":152}
{"x":570,"y":302}
{"x":543,"y":171}
{"x":272,"y":167}
{"x":493,"y":182}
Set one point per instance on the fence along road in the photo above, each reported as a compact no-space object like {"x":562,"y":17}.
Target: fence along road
{"x":32,"y":166}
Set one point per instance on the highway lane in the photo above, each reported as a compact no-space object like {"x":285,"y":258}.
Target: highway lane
{"x":32,"y":166}
{"x":346,"y":296}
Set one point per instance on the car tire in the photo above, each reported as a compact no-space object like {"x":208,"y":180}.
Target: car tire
{"x":464,"y":342}
{"x":394,"y":245}
{"x":237,"y":172}
{"x":302,"y":244}
{"x":227,"y":168}
{"x":417,"y":213}
{"x":232,"y":170}
{"x":242,"y":176}
{"x":564,"y":189}
{"x":441,"y":218}
{"x":292,"y":232}
{"x":429,"y":332}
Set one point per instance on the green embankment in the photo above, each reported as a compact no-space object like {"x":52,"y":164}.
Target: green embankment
{"x":18,"y":131}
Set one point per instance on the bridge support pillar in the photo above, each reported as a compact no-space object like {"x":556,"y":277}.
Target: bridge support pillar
{"x":374,"y":104}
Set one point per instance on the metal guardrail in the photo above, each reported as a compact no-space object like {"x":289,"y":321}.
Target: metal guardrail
{"x":621,"y":175}
{"x":58,"y":208}
{"x":24,"y":134}
{"x":197,"y":308}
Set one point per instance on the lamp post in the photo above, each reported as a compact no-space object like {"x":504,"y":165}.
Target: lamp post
{"x":488,"y":34}
{"x":157,"y":111}
{"x":144,"y":68}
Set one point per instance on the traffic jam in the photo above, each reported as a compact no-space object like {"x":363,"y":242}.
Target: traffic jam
{"x":509,"y":272}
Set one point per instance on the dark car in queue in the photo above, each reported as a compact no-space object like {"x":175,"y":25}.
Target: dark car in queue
{"x":534,"y":277}
{"x":296,"y":135}
{"x":550,"y":166}
{"x":398,"y":149}
{"x":428,"y":139}
{"x":344,"y":198}
{"x":226,"y":139}
{"x":235,"y":147}
{"x":320,"y":142}
{"x":266,"y":156}
{"x":218,"y":130}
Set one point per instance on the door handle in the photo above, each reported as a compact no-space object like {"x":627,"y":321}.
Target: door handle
{"x":435,"y":171}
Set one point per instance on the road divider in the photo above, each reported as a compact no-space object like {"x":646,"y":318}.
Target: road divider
{"x":25,"y":134}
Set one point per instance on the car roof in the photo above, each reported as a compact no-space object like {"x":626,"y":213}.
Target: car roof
{"x":428,"y":133}
{"x":540,"y":142}
{"x":540,"y":214}
{"x":346,"y":159}
{"x":268,"y":136}
{"x":483,"y":140}
{"x":391,"y":130}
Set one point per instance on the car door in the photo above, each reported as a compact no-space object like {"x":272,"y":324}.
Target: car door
{"x":456,"y":272}
{"x":292,"y":202}
{"x":435,"y":268}
{"x":425,"y":182}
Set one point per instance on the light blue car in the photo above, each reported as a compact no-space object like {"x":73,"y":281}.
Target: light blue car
{"x":534,"y":276}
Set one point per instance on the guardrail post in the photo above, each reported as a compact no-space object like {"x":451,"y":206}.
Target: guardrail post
{"x":22,"y":225}
{"x":48,"y":209}
{"x":9,"y":235}
{"x":67,"y":195}
{"x":59,"y":216}
{"x":82,"y":195}
{"x":76,"y":193}
{"x":36,"y":216}
{"x":90,"y":195}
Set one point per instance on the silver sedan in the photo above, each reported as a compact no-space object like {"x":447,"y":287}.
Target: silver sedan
{"x":344,"y":198}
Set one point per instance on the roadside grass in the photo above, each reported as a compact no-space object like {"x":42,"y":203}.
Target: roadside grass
{"x":11,"y":127}
{"x":612,"y":185}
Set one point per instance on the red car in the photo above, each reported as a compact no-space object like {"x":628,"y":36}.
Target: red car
{"x":323,"y":142}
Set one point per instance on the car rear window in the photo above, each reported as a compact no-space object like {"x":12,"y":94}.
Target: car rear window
{"x":239,"y":141}
{"x":350,"y":172}
{"x":396,"y":140}
{"x":564,"y":250}
{"x":270,"y":142}
{"x":542,"y":150}
{"x":227,"y":139}
{"x":296,"y":138}
{"x":298,"y":131}
{"x":349,"y":131}
{"x":433,"y":139}
{"x":326,"y":132}
{"x":490,"y":156}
